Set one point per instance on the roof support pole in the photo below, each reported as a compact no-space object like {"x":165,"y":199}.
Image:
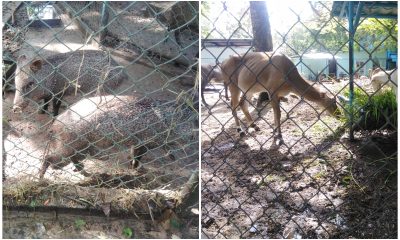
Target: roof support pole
{"x":351,"y":65}
{"x":104,"y":21}
{"x":358,"y":15}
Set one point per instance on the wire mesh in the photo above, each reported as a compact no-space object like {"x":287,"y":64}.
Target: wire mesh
{"x":310,"y":181}
{"x":100,"y":105}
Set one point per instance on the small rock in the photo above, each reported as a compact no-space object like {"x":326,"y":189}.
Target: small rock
{"x":208,"y":223}
{"x":253,"y":229}
{"x":339,"y":221}
{"x":173,"y":236}
{"x":289,"y":232}
{"x":251,"y":131}
{"x":287,"y":166}
{"x":297,"y":235}
{"x":40,"y":229}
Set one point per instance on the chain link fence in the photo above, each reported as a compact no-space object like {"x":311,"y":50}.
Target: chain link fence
{"x":100,"y":109}
{"x":310,"y":179}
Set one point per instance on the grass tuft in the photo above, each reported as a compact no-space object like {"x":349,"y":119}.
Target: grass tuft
{"x":376,"y":112}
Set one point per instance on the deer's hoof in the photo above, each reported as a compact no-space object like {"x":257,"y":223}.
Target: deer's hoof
{"x":255,"y":127}
{"x":279,"y":141}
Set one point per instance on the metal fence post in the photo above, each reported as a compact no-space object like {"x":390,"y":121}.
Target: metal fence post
{"x":351,"y":70}
{"x":104,"y":20}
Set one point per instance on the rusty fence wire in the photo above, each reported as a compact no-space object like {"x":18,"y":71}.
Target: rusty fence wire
{"x":330,"y":171}
{"x":100,"y":105}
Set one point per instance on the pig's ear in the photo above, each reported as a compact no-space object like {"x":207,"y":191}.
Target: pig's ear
{"x":21,"y":59}
{"x":36,"y":65}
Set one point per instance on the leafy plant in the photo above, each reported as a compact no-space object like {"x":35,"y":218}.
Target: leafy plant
{"x":346,"y":180}
{"x":79,"y":223}
{"x":175,"y":223}
{"x":33,"y":203}
{"x":127,"y":232}
{"x":371,"y":112}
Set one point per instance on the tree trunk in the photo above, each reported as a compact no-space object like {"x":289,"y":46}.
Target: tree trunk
{"x":261,"y":29}
{"x":262,"y":38}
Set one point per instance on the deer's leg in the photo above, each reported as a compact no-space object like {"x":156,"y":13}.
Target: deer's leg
{"x":235,"y":94}
{"x":244,"y":104}
{"x":226,"y":92}
{"x":203,"y":100}
{"x":203,"y":87}
{"x":277,"y":120}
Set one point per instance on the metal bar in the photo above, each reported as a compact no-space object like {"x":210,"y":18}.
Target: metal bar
{"x":342,"y":11}
{"x":358,"y":14}
{"x":351,"y":63}
{"x":386,"y":5}
{"x":104,"y":20}
{"x":379,"y":16}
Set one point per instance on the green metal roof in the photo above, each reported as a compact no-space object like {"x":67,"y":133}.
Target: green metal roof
{"x":381,"y":9}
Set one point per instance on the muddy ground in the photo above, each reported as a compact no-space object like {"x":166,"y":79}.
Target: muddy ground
{"x":26,"y":137}
{"x":318,"y":184}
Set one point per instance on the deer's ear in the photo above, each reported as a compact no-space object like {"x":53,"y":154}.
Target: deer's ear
{"x":36,"y":65}
{"x":235,"y":57}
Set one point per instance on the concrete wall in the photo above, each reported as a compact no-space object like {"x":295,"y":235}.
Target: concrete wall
{"x":311,"y":64}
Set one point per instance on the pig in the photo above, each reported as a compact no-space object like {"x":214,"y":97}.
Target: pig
{"x":50,"y":79}
{"x":98,"y":125}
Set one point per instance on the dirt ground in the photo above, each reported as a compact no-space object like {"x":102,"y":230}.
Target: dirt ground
{"x":26,"y":138}
{"x":139,"y":25}
{"x":25,"y":151}
{"x":52,"y":224}
{"x":318,"y":184}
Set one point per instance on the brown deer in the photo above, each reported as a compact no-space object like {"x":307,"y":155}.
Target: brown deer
{"x":271,"y":72}
{"x":208,"y":73}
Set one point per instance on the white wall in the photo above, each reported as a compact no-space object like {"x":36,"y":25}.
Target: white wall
{"x":307,"y":68}
{"x":210,"y":54}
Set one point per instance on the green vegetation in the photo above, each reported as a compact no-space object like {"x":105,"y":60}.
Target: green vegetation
{"x":332,"y":34}
{"x":33,"y":204}
{"x":346,"y":180}
{"x":79,"y":223}
{"x":175,"y":223}
{"x":320,"y":175}
{"x":372,"y":112}
{"x":127,"y":232}
{"x":317,"y":31}
{"x":374,"y":32}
